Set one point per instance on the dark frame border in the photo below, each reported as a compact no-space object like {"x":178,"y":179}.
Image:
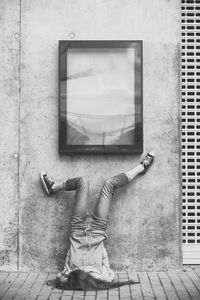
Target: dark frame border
{"x":102,"y":149}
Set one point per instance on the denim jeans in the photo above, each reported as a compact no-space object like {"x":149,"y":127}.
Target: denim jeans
{"x":99,"y":218}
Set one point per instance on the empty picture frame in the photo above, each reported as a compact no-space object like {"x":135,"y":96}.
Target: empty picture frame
{"x":100,"y":97}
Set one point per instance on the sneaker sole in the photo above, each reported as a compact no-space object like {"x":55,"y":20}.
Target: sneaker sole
{"x":44,"y":183}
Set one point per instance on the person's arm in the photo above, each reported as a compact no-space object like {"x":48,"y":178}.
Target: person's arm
{"x":65,"y":272}
{"x":66,"y":267}
{"x":105,"y":262}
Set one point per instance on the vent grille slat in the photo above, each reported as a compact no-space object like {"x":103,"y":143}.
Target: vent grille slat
{"x":190,"y":48}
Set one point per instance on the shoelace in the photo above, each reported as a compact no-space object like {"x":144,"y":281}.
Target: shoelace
{"x":147,"y":160}
{"x":49,"y":181}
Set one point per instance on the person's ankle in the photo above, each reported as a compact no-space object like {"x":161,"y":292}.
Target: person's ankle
{"x":58,"y":186}
{"x":54,"y":187}
{"x":141,"y":168}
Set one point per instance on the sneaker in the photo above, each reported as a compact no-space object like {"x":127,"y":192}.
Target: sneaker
{"x":47,"y":183}
{"x":147,"y":161}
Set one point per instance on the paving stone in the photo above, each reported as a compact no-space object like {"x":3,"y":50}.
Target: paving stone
{"x":152,"y":285}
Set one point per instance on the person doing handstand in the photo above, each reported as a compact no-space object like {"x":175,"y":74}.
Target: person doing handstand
{"x":87,"y":253}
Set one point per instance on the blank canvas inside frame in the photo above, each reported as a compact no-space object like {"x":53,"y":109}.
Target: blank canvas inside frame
{"x":100,"y":95}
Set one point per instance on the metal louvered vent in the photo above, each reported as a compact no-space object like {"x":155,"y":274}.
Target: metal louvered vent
{"x":190,"y":19}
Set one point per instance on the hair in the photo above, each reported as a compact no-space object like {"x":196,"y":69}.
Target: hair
{"x":83,"y":281}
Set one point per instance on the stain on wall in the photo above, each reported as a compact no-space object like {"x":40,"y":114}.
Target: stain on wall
{"x":144,"y":228}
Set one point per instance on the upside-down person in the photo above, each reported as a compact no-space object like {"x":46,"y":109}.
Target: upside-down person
{"x":87,"y":265}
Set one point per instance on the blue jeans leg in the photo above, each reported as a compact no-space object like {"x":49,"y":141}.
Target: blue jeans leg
{"x":103,"y":205}
{"x":79,"y":214}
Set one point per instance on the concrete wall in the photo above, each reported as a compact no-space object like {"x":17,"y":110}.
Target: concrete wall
{"x":9,"y":140}
{"x":144,"y":231}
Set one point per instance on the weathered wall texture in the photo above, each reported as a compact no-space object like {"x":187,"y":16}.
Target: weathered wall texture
{"x":144,"y":231}
{"x":9,"y":107}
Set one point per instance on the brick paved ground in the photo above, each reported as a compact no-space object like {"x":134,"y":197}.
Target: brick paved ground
{"x":161,"y":285}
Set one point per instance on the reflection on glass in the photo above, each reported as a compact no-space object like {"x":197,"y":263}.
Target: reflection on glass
{"x":100,"y":96}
